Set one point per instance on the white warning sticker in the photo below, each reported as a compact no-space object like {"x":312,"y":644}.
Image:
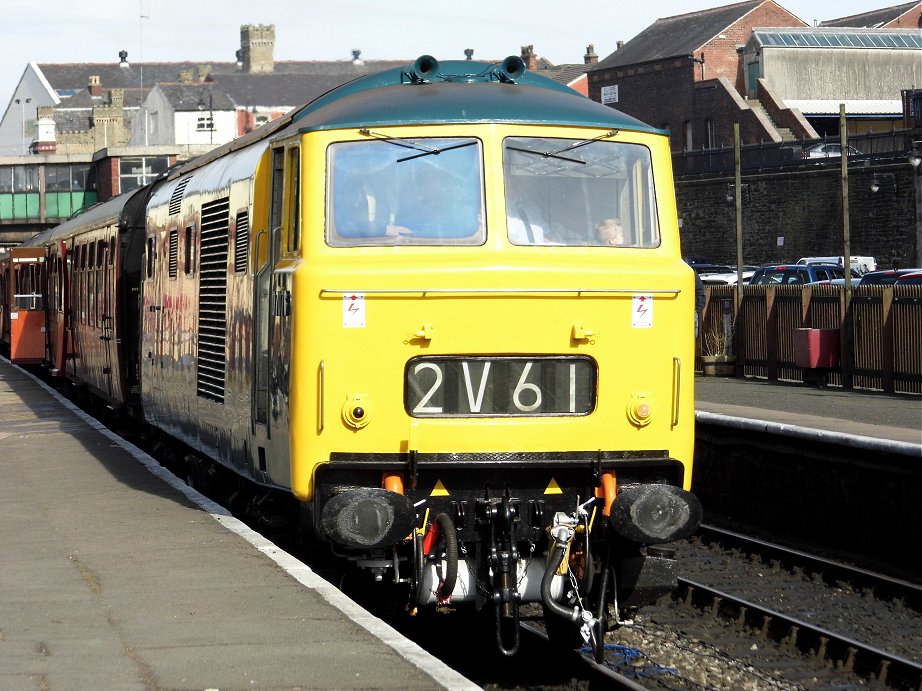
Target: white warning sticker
{"x":642,"y":312}
{"x":354,"y":311}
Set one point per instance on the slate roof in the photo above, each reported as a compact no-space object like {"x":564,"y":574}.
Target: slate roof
{"x":291,"y":83}
{"x":197,"y":96}
{"x":75,"y":113}
{"x":873,"y":19}
{"x":564,"y":73}
{"x":680,"y":35}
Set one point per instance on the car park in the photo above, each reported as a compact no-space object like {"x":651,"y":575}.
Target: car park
{"x":828,"y":150}
{"x":796,"y":274}
{"x":885,"y":277}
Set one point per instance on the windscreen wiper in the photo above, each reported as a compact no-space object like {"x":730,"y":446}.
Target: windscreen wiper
{"x":556,"y":154}
{"x":407,"y":144}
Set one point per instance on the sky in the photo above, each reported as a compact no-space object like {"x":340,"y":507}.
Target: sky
{"x":69,"y":31}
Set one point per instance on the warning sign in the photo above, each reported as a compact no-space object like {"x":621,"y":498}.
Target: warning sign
{"x":354,"y":311}
{"x":642,"y":312}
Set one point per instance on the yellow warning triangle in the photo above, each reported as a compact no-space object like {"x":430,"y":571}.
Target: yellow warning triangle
{"x":553,"y":487}
{"x":439,"y":490}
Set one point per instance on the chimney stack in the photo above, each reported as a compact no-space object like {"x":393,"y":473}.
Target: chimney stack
{"x":529,"y":58}
{"x":94,"y":87}
{"x":590,"y":58}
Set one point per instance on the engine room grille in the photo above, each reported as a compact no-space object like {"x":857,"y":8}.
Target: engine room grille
{"x":176,"y":197}
{"x":212,"y":301}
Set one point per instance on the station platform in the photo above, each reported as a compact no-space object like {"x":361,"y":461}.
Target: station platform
{"x":118,"y":576}
{"x":871,"y":420}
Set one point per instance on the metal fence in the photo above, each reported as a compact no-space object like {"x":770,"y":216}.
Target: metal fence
{"x":879,"y":333}
{"x":870,"y":147}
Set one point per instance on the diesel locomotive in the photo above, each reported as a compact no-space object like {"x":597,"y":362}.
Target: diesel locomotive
{"x":442,"y":308}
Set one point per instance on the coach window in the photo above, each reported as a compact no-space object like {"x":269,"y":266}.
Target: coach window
{"x":100,"y":280}
{"x":578,"y":192}
{"x":293,"y":177}
{"x":416,"y":191}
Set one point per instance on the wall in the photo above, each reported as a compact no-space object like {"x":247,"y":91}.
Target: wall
{"x":804,"y":206}
{"x":841,"y":73}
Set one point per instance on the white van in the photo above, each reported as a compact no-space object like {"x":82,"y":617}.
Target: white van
{"x":860,"y":264}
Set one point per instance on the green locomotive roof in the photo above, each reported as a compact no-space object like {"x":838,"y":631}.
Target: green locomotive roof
{"x":455,"y":92}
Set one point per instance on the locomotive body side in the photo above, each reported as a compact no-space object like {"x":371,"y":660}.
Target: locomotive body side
{"x":196,"y":312}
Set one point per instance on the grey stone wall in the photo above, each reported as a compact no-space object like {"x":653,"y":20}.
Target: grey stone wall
{"x":804,"y":207}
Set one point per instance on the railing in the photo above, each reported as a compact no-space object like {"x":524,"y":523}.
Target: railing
{"x":870,"y":147}
{"x":880,"y":331}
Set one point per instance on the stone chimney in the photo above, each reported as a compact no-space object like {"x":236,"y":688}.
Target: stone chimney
{"x":468,"y":53}
{"x":185,"y":77}
{"x":619,"y":45}
{"x":93,"y":86}
{"x":529,"y":57}
{"x":203,"y":72}
{"x":590,"y":58}
{"x":123,"y":59}
{"x":257,"y":45}
{"x":357,"y":57}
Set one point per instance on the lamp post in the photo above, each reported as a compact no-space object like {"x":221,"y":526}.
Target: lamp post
{"x":22,"y":121}
{"x":915,"y":158}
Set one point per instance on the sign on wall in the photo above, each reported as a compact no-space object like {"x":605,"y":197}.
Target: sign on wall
{"x":610,"y":94}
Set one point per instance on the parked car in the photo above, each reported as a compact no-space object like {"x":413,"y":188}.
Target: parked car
{"x":910,"y":279}
{"x":840,"y":281}
{"x":885,"y":277}
{"x":728,"y":276}
{"x":796,"y":274}
{"x":829,"y":150}
{"x":860,"y":264}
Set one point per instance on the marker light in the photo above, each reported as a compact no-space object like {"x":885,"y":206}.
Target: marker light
{"x":639,"y":410}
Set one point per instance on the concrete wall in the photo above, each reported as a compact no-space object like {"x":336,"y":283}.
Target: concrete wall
{"x":840,"y":73}
{"x":804,"y":207}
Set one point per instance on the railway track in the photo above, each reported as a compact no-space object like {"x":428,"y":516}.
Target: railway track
{"x":753,"y":614}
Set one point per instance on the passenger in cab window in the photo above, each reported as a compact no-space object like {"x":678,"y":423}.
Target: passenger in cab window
{"x":610,"y":232}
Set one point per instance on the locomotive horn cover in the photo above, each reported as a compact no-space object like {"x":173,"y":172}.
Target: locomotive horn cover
{"x":511,"y":69}
{"x":651,"y":514}
{"x":367,"y":517}
{"x":423,"y":69}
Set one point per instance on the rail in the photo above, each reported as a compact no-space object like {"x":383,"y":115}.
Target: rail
{"x":879,"y":334}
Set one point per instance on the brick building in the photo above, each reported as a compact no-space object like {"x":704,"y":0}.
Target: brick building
{"x":685,"y":74}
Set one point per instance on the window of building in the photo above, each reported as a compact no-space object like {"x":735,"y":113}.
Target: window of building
{"x":205,"y":122}
{"x":137,"y":171}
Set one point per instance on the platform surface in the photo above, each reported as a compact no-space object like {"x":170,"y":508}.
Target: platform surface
{"x":895,"y":418}
{"x":115,"y":575}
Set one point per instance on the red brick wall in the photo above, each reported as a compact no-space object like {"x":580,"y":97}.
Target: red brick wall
{"x":720,"y":56}
{"x":910,"y":20}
